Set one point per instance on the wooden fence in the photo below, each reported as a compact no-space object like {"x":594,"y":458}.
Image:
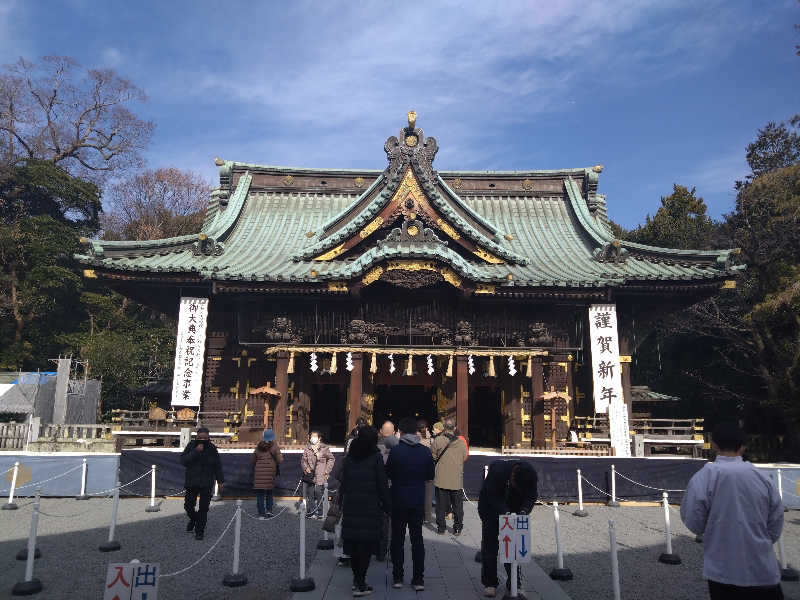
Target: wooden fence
{"x":14,"y":435}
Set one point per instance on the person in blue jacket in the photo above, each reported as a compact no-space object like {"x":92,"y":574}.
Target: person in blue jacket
{"x":510,"y":487}
{"x":409,"y":466}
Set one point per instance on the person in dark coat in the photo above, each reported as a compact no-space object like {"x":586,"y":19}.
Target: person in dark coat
{"x":409,"y":466}
{"x":265,"y":460}
{"x":203,"y":467}
{"x":365,"y":498}
{"x":510,"y":487}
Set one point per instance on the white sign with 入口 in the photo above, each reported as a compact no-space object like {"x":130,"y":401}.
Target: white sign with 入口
{"x":514,"y":536}
{"x":131,"y":581}
{"x":523,"y":538}
{"x":190,"y":348}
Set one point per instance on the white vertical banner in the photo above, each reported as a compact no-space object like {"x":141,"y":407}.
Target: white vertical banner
{"x":607,"y":374}
{"x":187,"y":380}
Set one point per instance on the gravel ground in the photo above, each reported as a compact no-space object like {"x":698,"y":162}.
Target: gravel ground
{"x":640,"y":538}
{"x":72,"y":567}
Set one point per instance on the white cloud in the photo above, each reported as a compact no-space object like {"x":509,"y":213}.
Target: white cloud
{"x":111,"y":57}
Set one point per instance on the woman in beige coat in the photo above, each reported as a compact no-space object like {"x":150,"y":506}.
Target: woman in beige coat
{"x":266,"y":458}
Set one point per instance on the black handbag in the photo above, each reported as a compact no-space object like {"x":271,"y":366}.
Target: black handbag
{"x":307,"y":478}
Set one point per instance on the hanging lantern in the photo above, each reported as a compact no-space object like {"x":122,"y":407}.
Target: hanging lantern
{"x":410,"y":367}
{"x":491,"y":367}
{"x":512,"y":367}
{"x":430,"y":365}
{"x":391,"y":364}
{"x":332,"y":370}
{"x":348,"y":363}
{"x":449,"y":372}
{"x":470,"y":365}
{"x":373,"y":365}
{"x":314,"y":366}
{"x":290,"y":367}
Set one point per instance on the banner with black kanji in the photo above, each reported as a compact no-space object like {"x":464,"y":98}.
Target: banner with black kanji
{"x":190,"y":352}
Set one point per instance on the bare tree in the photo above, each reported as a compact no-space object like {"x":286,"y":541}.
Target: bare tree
{"x":80,"y":120}
{"x":156,"y":204}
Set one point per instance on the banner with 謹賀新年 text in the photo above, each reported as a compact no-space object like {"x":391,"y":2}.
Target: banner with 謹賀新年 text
{"x":190,"y":349}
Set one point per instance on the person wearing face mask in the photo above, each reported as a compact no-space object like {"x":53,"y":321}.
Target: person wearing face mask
{"x":317,"y":463}
{"x":510,"y":487}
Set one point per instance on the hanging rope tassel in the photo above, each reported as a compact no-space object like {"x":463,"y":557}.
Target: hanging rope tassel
{"x":290,"y":368}
{"x":449,"y":372}
{"x":373,"y":365}
{"x":530,"y":366}
{"x":333,"y":364}
{"x":410,"y":367}
{"x":491,"y":367}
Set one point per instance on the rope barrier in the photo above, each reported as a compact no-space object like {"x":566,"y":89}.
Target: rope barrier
{"x":647,"y":486}
{"x":65,"y":473}
{"x":80,"y":514}
{"x":199,"y":560}
{"x":145,"y":474}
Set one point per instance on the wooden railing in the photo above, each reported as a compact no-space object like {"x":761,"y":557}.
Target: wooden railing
{"x":686,"y":429}
{"x":156,"y":419}
{"x":13,"y":436}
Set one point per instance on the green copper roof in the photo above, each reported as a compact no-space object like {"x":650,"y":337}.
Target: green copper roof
{"x":270,"y":231}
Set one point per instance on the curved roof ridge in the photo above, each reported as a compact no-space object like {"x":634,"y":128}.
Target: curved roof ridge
{"x":467,"y":208}
{"x":223,"y":223}
{"x":331,"y":222}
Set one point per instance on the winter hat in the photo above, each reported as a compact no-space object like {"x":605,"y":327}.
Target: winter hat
{"x":269,"y":435}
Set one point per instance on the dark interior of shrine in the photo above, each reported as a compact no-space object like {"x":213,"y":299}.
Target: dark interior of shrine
{"x":328,"y":413}
{"x":396,"y":402}
{"x":485,"y":417}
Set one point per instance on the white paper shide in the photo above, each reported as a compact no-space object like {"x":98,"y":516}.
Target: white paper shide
{"x":606,"y":374}
{"x":190,"y":352}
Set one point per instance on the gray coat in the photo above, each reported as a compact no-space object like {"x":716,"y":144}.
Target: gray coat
{"x":449,"y":453}
{"x":319,"y":461}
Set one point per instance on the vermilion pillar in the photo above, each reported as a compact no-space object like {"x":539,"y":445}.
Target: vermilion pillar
{"x":354,"y":396}
{"x":282,"y":385}
{"x":462,"y":396}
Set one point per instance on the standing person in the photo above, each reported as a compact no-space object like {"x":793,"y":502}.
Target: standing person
{"x":463,"y":439}
{"x":409,"y":466}
{"x":449,"y":453}
{"x":737,"y":509}
{"x":265,"y":460}
{"x":203,"y":468}
{"x":317,"y":463}
{"x":386,"y":441}
{"x":360,"y":422}
{"x":510,"y":486}
{"x":365,"y":499}
{"x":426,"y":439}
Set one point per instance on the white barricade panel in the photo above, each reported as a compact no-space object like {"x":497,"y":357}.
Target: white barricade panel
{"x":507,"y":537}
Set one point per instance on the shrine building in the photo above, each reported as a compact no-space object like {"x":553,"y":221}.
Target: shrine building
{"x":406,"y":291}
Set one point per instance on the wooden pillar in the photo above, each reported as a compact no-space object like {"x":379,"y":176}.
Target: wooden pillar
{"x":512,"y":392}
{"x":462,"y":396}
{"x":571,"y":388}
{"x":303,"y":408}
{"x":625,"y":370}
{"x":282,"y":385}
{"x":537,"y":391}
{"x":354,"y":396}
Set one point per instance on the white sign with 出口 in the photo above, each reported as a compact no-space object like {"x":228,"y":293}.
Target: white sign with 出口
{"x":190,"y":350}
{"x":514,"y":535}
{"x":131,"y":581}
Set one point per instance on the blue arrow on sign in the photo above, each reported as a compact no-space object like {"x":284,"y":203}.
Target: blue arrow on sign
{"x":523,"y":552}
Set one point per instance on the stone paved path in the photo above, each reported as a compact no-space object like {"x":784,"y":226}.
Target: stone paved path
{"x":450,"y":571}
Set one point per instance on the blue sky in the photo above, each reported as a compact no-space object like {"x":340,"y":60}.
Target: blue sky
{"x":658,"y":92}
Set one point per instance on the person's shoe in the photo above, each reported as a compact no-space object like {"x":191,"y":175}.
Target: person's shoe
{"x":262,"y":517}
{"x":309,"y":515}
{"x":269,"y":514}
{"x":398,"y":583}
{"x":343,"y":562}
{"x":363,"y":590}
{"x":198,"y":535}
{"x":457,"y":530}
{"x":190,"y":526}
{"x":441,"y":530}
{"x":418,"y":585}
{"x":489,"y":591}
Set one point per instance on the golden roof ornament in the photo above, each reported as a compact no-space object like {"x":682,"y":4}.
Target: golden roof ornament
{"x":598,"y":168}
{"x":412,"y":119}
{"x":218,"y":161}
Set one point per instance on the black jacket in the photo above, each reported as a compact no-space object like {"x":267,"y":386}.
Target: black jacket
{"x":409,"y":466}
{"x":202,"y":468}
{"x":364,"y":494}
{"x":494,"y":501}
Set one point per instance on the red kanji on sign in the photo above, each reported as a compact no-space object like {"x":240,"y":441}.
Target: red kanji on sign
{"x":507,"y":523}
{"x":119,"y":577}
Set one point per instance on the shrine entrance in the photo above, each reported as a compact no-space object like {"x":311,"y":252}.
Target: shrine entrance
{"x":328,"y":413}
{"x":485,"y":417}
{"x":395,"y":402}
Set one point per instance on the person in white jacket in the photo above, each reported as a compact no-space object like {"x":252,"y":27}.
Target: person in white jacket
{"x":737,"y":509}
